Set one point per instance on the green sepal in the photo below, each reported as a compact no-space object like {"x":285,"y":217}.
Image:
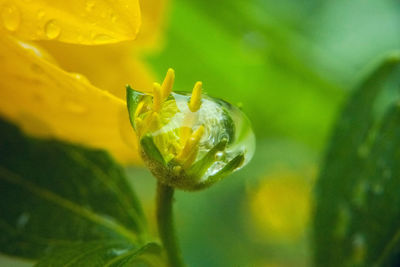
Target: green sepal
{"x":232,"y":165}
{"x":132,"y":100}
{"x":200,"y":167}
{"x":151,"y":150}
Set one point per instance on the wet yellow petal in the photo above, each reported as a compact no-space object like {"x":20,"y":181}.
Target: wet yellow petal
{"x":49,"y":102}
{"x":73,"y":21}
{"x":108,"y":67}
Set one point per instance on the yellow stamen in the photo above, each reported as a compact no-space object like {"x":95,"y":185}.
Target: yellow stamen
{"x":195,"y":100}
{"x":139,"y":108}
{"x":184,"y":133}
{"x":157,"y":97}
{"x":150,"y":123}
{"x":154,"y":121}
{"x":138,"y":125}
{"x":166,"y":87}
{"x":185,"y":157}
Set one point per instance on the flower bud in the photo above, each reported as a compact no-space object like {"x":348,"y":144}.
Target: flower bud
{"x":189,"y":141}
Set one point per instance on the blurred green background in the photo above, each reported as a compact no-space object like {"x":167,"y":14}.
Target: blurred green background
{"x":290,"y":64}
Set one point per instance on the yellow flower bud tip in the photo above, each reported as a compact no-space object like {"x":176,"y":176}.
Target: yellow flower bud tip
{"x":168,"y":83}
{"x":189,"y":141}
{"x":157,"y":100}
{"x":195,"y":100}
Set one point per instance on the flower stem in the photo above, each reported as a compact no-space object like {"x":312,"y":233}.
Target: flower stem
{"x":165,"y":225}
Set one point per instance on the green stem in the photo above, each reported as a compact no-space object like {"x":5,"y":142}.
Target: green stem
{"x":166,"y":230}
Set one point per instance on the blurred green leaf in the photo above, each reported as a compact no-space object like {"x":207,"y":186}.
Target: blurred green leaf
{"x":54,"y":194}
{"x":108,"y":254}
{"x":357,"y":211}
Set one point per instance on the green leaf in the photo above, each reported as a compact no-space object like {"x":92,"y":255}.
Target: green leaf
{"x":357,"y":210}
{"x":107,"y":254}
{"x":55,"y":194}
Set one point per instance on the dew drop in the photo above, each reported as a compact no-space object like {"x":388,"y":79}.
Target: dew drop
{"x":80,"y":78}
{"x":219,"y":155}
{"x":52,"y":29}
{"x":90,"y":5}
{"x":117,"y":252}
{"x":11,"y":17}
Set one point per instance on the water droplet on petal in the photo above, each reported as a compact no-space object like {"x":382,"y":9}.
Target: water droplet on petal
{"x":81,"y":78}
{"x":11,"y":17}
{"x":52,"y":29}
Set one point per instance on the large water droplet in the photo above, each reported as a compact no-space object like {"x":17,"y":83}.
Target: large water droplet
{"x":52,"y":29}
{"x":11,"y":17}
{"x":220,"y":119}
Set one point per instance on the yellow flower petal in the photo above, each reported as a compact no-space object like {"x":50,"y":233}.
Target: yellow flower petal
{"x":153,"y":17}
{"x":73,"y":21}
{"x":108,"y":67}
{"x":49,"y":102}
